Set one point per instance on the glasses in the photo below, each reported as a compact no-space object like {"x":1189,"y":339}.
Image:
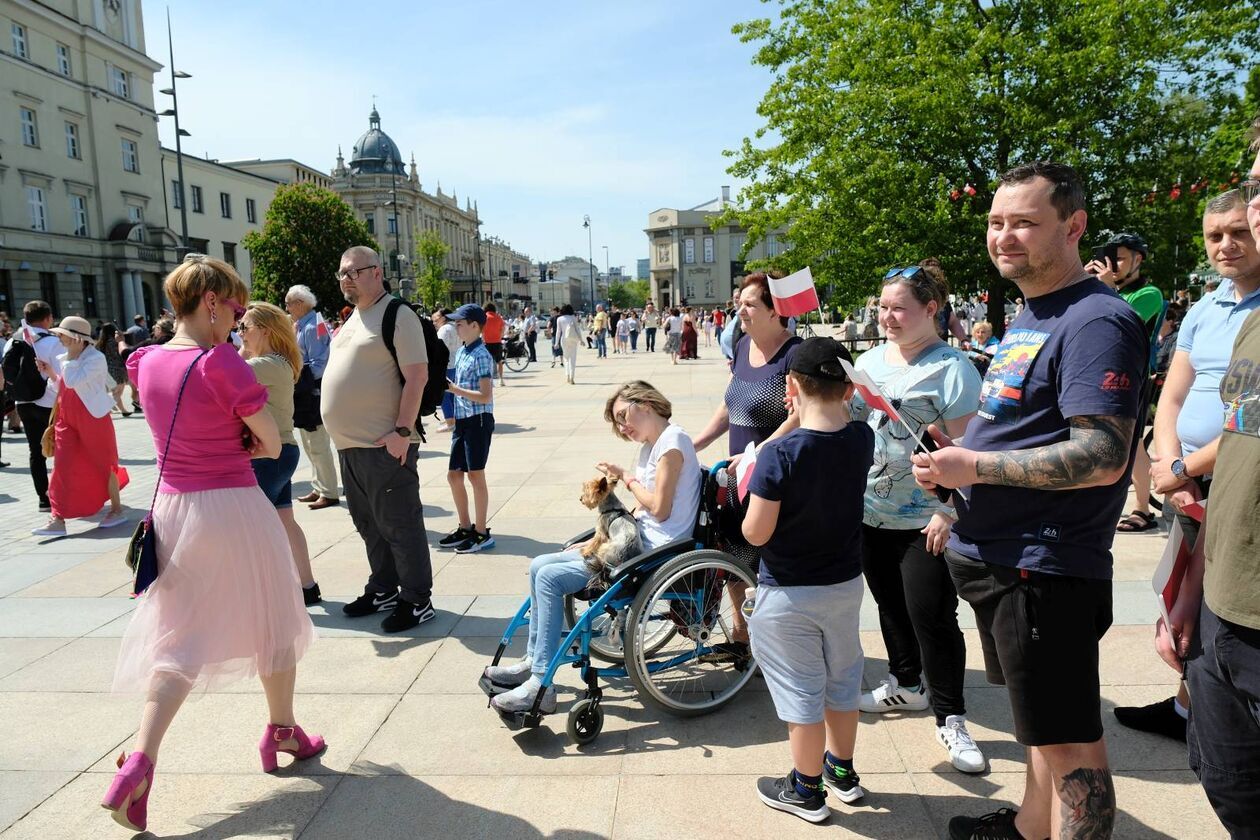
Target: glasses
{"x":243,"y":327}
{"x":911,"y":274}
{"x":1250,"y":189}
{"x":238,"y":311}
{"x":621,"y":418}
{"x":353,"y":273}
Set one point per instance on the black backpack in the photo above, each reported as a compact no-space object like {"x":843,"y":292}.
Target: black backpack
{"x":306,"y":392}
{"x":439,"y":358}
{"x":20,"y":372}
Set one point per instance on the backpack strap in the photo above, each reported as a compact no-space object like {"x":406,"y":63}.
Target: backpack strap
{"x":389,"y":323}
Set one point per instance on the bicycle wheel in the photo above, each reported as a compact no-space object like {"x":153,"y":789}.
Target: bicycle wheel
{"x":698,"y":667}
{"x":516,"y":364}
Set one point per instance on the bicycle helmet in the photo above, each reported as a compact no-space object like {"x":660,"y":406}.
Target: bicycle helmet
{"x":1129,"y":240}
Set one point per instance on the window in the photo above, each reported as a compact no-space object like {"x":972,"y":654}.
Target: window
{"x":708,"y":249}
{"x":79,"y":214}
{"x":135,"y":215}
{"x":737,"y":245}
{"x":90,"y":309}
{"x":773,"y":249}
{"x":662,"y":255}
{"x":225,"y":205}
{"x":118,"y":82}
{"x":72,"y":141}
{"x":35,"y":206}
{"x":48,"y":289}
{"x":177,"y":195}
{"x":229,"y":253}
{"x":130,"y":156}
{"x":251,"y":211}
{"x":393,"y":224}
{"x":19,"y":41}
{"x":197,"y":206}
{"x":63,"y":60}
{"x":371,"y":224}
{"x":689,"y":250}
{"x":30,"y":134}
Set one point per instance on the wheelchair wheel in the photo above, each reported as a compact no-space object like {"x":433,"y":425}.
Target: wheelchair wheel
{"x":689,"y":593}
{"x":607,"y":633}
{"x":518,"y":362}
{"x":586,"y":719}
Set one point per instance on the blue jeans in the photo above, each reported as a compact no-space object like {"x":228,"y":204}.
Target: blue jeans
{"x":601,"y":343}
{"x":551,"y":577}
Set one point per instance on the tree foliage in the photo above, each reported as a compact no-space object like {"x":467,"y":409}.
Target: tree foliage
{"x":629,"y":294}
{"x":433,"y":288}
{"x":303,"y":236}
{"x":884,"y":115}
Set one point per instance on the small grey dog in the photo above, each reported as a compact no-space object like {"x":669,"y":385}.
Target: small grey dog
{"x":616,"y":537}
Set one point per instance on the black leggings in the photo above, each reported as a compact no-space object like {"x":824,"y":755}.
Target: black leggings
{"x":918,"y":611}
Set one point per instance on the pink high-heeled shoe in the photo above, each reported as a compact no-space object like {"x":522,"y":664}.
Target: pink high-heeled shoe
{"x":127,"y":799}
{"x":274,"y":738}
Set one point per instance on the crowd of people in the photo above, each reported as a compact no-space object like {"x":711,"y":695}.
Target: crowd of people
{"x":959,"y":466}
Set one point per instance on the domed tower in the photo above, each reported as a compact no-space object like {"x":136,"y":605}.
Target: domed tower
{"x":375,"y":153}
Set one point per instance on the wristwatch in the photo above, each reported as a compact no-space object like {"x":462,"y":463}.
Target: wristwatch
{"x":1178,"y":468}
{"x":402,"y":431}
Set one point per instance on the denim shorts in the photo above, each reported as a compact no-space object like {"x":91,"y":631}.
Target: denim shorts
{"x":275,"y":476}
{"x":470,"y":443}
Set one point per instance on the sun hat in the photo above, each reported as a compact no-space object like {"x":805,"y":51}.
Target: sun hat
{"x":72,"y":326}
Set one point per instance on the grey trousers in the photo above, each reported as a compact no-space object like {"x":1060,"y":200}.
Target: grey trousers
{"x":384,"y":500}
{"x":318,"y":449}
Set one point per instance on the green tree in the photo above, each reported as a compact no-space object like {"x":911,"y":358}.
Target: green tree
{"x":888,"y":121}
{"x":631,"y":294}
{"x":433,"y":287}
{"x":305,"y":232}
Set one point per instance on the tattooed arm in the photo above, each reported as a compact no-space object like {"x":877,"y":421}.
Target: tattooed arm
{"x":1095,"y":453}
{"x":1087,"y":804}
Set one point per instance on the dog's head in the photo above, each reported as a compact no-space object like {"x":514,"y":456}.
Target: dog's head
{"x":596,"y":490}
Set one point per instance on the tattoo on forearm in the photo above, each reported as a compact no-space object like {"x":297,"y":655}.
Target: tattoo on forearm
{"x":1096,"y":443}
{"x":1087,"y":803}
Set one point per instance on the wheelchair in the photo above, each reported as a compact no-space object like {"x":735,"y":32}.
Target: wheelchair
{"x":662,"y":619}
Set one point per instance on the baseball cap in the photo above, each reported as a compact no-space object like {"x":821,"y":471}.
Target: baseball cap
{"x":469,"y":312}
{"x":820,"y":358}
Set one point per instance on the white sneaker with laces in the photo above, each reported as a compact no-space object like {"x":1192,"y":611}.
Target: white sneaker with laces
{"x":892,"y":697}
{"x":963,"y":752}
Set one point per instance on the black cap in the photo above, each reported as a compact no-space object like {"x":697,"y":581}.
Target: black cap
{"x":820,"y":358}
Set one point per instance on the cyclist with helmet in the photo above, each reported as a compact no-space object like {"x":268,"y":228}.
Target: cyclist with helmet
{"x":1118,"y":263}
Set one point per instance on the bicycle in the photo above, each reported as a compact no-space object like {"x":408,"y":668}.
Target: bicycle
{"x":515,"y":353}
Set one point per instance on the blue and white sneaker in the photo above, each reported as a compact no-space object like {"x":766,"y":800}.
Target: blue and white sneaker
{"x":477,"y":542}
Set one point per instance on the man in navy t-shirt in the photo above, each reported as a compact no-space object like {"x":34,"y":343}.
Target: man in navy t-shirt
{"x":1044,"y":469}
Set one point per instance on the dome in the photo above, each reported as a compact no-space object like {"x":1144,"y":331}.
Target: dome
{"x":375,"y":153}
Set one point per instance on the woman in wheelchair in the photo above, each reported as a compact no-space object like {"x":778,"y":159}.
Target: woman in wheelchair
{"x":666,"y":501}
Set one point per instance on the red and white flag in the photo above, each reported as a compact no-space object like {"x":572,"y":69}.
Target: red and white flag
{"x":795,"y":294}
{"x":744,"y":470}
{"x":870,"y":391}
{"x":321,"y":327}
{"x":1171,"y":570}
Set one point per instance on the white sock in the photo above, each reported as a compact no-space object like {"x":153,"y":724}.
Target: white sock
{"x":519,"y":667}
{"x":1180,"y":709}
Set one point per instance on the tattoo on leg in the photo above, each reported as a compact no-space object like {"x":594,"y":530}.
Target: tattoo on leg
{"x":1087,"y":803}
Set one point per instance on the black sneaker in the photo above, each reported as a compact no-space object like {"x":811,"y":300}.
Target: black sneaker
{"x":781,"y":795}
{"x":843,"y":782}
{"x":1158,"y":718}
{"x":1000,"y":825}
{"x":311,"y":595}
{"x":457,"y":537}
{"x":45,"y":506}
{"x":370,"y":602}
{"x":407,"y":615}
{"x":477,"y":541}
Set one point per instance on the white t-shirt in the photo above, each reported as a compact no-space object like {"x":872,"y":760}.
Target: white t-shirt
{"x":567,"y":331}
{"x":450,"y":337}
{"x":682,"y":514}
{"x":48,"y":349}
{"x":675,"y":323}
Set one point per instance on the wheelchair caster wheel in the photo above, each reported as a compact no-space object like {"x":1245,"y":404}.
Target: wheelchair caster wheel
{"x":586,"y":719}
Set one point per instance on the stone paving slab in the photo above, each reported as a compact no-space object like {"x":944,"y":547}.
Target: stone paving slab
{"x":413,"y":749}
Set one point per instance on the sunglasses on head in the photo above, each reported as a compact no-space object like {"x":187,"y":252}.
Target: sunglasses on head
{"x":913,"y":274}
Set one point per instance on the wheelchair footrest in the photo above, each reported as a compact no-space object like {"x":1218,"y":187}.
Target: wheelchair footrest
{"x":490,"y":688}
{"x":521,"y":720}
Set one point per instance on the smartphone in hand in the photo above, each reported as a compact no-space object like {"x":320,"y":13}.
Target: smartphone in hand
{"x":929,"y":445}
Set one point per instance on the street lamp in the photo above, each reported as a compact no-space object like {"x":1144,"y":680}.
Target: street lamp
{"x":607,"y":266}
{"x":173,"y":111}
{"x":590,"y":258}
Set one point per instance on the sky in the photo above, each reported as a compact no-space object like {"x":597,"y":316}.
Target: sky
{"x":541,"y":112}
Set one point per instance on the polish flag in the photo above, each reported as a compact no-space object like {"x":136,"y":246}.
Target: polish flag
{"x":795,"y":294}
{"x":321,"y":327}
{"x":1171,"y":571}
{"x":870,"y":391}
{"x":744,"y":470}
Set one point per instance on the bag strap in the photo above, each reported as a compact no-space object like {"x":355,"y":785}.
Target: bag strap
{"x":389,"y":323}
{"x":170,"y":432}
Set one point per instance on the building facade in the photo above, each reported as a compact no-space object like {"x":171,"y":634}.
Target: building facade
{"x":691,"y":263}
{"x":510,"y":273}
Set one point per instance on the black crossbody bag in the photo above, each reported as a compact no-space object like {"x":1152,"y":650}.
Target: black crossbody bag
{"x":142,"y":550}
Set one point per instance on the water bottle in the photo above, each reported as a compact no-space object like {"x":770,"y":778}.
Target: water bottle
{"x":750,"y":602}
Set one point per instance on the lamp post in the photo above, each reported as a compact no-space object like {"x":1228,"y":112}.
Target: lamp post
{"x":173,"y":111}
{"x":590,"y":258}
{"x":394,"y":163}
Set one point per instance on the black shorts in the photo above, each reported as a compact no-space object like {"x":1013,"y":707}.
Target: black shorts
{"x":470,"y":443}
{"x":1040,"y":638}
{"x":496,"y":351}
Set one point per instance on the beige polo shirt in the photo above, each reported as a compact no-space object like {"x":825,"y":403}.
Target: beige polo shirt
{"x":361,"y":387}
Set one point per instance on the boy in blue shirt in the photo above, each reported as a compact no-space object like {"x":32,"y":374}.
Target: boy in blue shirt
{"x":473,"y":388}
{"x":804,"y":627}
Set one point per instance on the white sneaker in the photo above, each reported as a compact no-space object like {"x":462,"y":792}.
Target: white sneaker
{"x":891,"y":697}
{"x":963,"y":752}
{"x":112,"y":519}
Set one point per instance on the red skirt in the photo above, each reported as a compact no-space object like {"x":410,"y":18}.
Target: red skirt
{"x":85,"y":455}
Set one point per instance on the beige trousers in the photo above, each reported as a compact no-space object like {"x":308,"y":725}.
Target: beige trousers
{"x":318,"y":449}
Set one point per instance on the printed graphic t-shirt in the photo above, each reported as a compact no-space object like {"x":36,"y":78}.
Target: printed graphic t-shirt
{"x":1231,"y":578}
{"x":1080,"y":351}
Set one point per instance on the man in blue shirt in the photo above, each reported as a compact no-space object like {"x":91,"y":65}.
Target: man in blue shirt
{"x":1043,"y":472}
{"x":314,"y":341}
{"x":473,"y":388}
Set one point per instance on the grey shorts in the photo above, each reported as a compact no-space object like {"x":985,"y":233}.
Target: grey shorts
{"x":806,"y":642}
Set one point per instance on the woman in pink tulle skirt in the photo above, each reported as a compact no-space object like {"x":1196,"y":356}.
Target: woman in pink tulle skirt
{"x":227,"y":603}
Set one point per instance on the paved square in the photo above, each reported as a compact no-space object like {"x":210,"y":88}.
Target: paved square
{"x":414,"y":752}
